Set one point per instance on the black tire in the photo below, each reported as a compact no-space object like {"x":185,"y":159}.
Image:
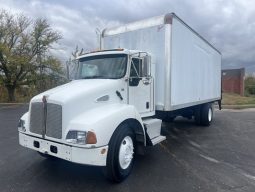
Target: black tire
{"x":113,"y":170}
{"x":206,"y":114}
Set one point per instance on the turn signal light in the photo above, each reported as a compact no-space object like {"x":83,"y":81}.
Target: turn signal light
{"x":91,"y":138}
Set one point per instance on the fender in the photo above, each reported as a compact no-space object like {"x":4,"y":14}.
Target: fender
{"x":104,"y":120}
{"x":25,"y":119}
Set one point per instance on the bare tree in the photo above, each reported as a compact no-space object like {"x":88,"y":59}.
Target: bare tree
{"x":23,"y":43}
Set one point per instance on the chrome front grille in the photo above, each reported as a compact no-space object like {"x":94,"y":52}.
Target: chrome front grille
{"x":54,"y":121}
{"x":51,"y":125}
{"x":36,"y":118}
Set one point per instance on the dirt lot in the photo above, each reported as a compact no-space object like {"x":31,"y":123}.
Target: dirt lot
{"x":217,"y":158}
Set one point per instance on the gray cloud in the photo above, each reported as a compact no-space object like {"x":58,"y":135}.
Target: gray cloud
{"x":228,"y":24}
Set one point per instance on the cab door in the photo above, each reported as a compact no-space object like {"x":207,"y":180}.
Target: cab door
{"x":141,"y":85}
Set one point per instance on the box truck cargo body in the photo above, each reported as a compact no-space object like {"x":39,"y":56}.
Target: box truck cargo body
{"x":187,"y":67}
{"x":145,"y":72}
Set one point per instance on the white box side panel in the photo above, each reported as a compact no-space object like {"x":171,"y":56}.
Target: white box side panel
{"x":195,"y":68}
{"x":151,"y":40}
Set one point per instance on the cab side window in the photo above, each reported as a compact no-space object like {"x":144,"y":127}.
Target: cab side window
{"x":139,"y":68}
{"x":135,"y":70}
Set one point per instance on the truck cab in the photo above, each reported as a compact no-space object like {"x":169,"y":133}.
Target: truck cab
{"x":132,"y":69}
{"x":100,"y":118}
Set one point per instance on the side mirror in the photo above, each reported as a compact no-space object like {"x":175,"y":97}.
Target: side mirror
{"x":147,"y":60}
{"x":146,"y":66}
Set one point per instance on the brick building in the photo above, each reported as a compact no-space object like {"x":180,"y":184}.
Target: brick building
{"x":233,"y":81}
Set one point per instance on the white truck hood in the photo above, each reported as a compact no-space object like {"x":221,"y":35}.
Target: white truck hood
{"x":79,"y":89}
{"x":80,"y":96}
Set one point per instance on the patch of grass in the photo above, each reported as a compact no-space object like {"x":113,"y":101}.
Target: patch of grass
{"x":234,"y":99}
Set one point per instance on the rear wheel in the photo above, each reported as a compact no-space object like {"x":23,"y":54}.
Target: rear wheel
{"x":120,"y":157}
{"x":204,"y":114}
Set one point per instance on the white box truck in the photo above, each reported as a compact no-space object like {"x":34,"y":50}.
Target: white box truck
{"x":146,"y":72}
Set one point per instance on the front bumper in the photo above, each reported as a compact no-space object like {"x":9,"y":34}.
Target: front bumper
{"x":88,"y":156}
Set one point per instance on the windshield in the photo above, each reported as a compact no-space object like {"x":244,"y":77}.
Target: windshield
{"x":112,"y":66}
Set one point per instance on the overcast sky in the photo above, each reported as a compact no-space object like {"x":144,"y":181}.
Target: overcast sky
{"x":227,"y":24}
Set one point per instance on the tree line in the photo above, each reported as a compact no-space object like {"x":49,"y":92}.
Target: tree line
{"x":25,"y":58}
{"x":249,"y":85}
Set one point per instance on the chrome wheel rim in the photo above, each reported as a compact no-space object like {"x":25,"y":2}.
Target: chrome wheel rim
{"x":126,"y":152}
{"x":210,"y":114}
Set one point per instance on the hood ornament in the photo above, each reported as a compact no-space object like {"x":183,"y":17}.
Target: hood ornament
{"x":44,"y":98}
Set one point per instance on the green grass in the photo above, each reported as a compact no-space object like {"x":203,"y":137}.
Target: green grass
{"x":234,"y":99}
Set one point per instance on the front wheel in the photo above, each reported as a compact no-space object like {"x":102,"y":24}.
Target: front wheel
{"x":120,"y":157}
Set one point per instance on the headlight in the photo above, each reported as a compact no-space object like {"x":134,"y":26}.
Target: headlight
{"x":21,"y":125}
{"x":76,"y":137}
{"x":81,"y":137}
